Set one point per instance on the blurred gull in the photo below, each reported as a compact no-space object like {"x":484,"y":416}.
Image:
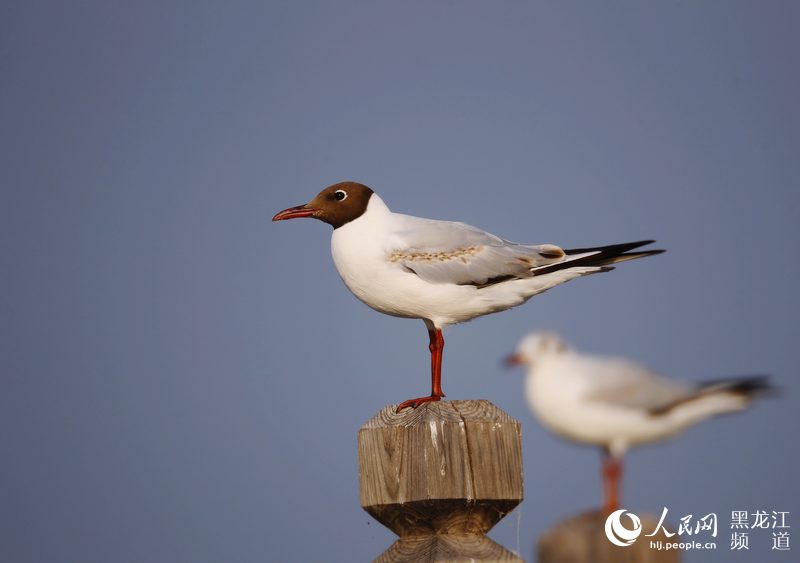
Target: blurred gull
{"x":616,"y":403}
{"x":440,"y":271}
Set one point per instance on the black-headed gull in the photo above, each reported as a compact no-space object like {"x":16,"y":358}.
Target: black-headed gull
{"x":616,"y":403}
{"x":440,"y":271}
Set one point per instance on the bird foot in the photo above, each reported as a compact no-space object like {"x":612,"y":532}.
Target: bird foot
{"x":414,"y":403}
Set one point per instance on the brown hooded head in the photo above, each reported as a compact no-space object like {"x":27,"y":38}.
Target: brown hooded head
{"x":337,"y":205}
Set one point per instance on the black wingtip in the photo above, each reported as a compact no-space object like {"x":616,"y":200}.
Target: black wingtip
{"x":611,"y":248}
{"x":599,"y":257}
{"x":750,"y":386}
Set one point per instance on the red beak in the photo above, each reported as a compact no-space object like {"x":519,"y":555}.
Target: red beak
{"x":294,"y":213}
{"x":512,"y":360}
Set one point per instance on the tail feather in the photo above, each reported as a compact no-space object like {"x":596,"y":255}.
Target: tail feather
{"x":599,"y":257}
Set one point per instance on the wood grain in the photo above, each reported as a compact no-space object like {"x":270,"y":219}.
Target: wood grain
{"x":440,"y":476}
{"x":421,"y":549}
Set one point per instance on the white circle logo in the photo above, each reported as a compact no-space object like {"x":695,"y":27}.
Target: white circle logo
{"x":619,"y":534}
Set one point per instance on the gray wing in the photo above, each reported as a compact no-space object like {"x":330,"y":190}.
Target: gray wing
{"x":621,"y":382}
{"x":450,"y":252}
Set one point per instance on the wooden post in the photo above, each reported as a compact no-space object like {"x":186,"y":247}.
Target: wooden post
{"x":582,"y":539}
{"x":440,"y":476}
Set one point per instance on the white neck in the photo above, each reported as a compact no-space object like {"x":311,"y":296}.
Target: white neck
{"x":375,"y":207}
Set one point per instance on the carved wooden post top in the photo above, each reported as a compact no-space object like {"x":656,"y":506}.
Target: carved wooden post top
{"x":450,"y":469}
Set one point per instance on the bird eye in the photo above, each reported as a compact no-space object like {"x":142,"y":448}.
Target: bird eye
{"x":340,"y":195}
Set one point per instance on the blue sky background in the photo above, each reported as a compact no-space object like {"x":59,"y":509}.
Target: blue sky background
{"x":183,"y":380}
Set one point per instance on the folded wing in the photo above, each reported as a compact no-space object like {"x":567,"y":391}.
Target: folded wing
{"x":619,"y":382}
{"x":449,"y":252}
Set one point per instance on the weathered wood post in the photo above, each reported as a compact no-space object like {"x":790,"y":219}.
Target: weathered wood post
{"x":582,"y":539}
{"x":440,"y":476}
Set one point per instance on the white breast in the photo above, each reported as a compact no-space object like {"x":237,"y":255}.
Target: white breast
{"x":359,"y":251}
{"x":554,"y":396}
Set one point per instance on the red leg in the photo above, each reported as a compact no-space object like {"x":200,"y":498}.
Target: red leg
{"x":612,"y":474}
{"x":436,"y":347}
